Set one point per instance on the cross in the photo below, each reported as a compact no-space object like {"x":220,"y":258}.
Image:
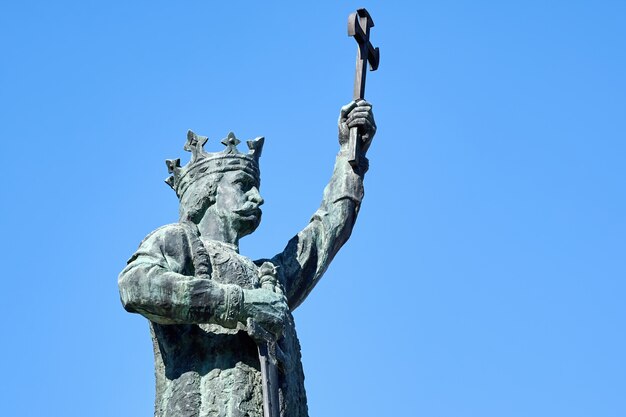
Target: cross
{"x":359,"y":24}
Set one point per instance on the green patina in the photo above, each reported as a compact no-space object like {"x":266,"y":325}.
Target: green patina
{"x":212,"y":311}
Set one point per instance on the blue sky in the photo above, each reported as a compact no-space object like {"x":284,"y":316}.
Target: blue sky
{"x":486,"y":273}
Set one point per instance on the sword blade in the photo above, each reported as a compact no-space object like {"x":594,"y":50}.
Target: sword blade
{"x":269,"y":378}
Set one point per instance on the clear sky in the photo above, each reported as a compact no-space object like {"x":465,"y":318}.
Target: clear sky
{"x":486,"y":273}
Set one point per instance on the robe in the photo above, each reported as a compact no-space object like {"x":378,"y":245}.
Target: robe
{"x":206,"y":365}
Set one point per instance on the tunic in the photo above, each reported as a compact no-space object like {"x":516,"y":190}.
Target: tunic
{"x":206,"y":365}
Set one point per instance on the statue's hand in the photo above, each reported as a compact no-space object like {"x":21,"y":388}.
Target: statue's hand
{"x":359,"y":114}
{"x":266,"y":309}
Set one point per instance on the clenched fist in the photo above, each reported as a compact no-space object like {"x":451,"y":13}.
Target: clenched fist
{"x":358,"y":114}
{"x":266,"y":309}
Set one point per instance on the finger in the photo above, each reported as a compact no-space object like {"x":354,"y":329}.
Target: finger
{"x":347,"y":109}
{"x":360,"y":109}
{"x":359,"y":114}
{"x":366,"y":116}
{"x":361,"y":123}
{"x":253,"y":329}
{"x":363,"y":105}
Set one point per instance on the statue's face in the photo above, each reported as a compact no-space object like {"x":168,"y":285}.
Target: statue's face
{"x":238,"y":201}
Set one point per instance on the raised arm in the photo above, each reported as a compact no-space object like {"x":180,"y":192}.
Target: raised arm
{"x":308,"y":254}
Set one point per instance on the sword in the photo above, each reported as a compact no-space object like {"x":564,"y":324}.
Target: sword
{"x":269,"y":351}
{"x":269,"y":368}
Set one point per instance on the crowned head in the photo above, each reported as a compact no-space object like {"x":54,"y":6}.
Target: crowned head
{"x":196,"y":183}
{"x":203,"y":164}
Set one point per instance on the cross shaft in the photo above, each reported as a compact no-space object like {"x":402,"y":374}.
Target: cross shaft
{"x":359,"y":24}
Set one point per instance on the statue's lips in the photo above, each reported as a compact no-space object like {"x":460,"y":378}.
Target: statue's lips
{"x":247,"y":212}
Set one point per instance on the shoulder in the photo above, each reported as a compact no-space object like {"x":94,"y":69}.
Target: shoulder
{"x":164,"y":234}
{"x":170,"y":240}
{"x":173,"y":230}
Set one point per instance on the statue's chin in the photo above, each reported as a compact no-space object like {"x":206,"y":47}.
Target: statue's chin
{"x":248,"y":223}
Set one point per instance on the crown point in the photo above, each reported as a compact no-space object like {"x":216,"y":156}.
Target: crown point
{"x":194,"y":142}
{"x":231,"y":143}
{"x":256,"y":146}
{"x":203,"y":163}
{"x":191,"y":139}
{"x":172,"y":164}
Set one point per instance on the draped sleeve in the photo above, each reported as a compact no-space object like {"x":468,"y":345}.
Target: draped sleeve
{"x":159,"y":282}
{"x":308,"y":254}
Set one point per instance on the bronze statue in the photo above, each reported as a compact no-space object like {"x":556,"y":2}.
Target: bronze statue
{"x":224,"y":339}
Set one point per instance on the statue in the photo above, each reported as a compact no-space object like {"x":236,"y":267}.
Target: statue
{"x":223,"y":334}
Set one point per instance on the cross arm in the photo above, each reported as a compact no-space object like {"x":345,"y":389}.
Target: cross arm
{"x":359,"y":24}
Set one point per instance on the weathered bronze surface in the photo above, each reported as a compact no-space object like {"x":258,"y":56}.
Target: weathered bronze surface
{"x":223,"y":333}
{"x":359,"y":24}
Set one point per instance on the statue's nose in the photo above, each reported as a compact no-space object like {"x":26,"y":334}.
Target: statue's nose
{"x":255,"y":196}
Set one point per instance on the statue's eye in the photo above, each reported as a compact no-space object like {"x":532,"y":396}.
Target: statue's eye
{"x":241,"y":183}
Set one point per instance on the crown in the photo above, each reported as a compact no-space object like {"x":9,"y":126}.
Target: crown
{"x":205,"y":163}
